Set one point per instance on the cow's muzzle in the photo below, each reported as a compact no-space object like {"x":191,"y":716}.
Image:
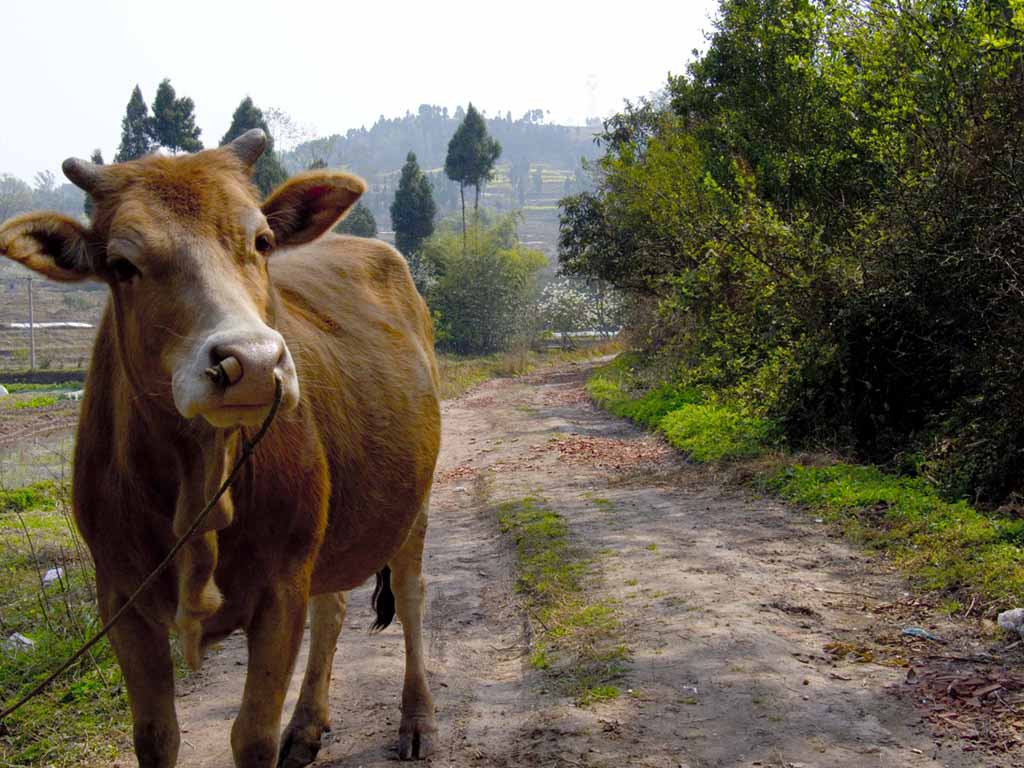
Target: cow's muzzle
{"x":233,"y":380}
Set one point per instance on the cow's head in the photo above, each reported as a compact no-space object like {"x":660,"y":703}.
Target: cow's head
{"x":183,"y":243}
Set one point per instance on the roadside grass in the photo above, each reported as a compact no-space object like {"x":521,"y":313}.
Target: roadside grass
{"x":460,"y":374}
{"x":705,"y":431}
{"x":576,"y":637}
{"x":970,"y":556}
{"x":83,"y":718}
{"x":945,"y":546}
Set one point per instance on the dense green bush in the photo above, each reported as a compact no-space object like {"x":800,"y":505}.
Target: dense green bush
{"x":483,"y":288}
{"x":820,"y":222}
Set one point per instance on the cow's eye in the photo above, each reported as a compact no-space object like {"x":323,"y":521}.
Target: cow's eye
{"x":264,"y":244}
{"x":123,"y":270}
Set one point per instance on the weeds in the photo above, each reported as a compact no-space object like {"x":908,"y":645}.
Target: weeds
{"x":47,"y":596}
{"x":576,"y":636}
{"x":43,"y":494}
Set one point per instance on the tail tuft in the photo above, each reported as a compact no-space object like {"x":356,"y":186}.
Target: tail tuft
{"x":383,"y":600}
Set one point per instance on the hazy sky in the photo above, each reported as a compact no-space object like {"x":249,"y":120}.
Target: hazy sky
{"x":69,"y":67}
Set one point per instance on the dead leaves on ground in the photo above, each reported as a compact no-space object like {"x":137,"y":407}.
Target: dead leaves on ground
{"x":980,"y":703}
{"x":610,"y":453}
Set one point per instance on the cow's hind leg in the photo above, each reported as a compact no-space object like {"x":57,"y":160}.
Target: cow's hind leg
{"x":311,"y":717}
{"x":418,"y":730}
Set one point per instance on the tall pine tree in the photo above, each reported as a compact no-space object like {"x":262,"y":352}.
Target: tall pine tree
{"x":173,"y":124}
{"x":268,"y":172}
{"x":135,"y":130}
{"x":471,"y":157}
{"x":413,"y":210}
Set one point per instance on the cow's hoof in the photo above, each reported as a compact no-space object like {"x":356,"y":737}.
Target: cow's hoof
{"x":416,"y":738}
{"x":299,"y":747}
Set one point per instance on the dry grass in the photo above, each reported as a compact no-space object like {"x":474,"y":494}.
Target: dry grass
{"x":460,"y":374}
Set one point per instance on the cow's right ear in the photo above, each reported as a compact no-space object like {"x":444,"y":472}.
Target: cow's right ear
{"x":52,"y":245}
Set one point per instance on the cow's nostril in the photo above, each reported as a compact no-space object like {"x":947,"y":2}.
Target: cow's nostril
{"x":225,"y":373}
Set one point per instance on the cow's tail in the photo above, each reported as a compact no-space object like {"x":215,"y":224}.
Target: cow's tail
{"x":383,"y":600}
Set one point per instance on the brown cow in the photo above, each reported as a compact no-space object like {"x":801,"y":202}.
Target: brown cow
{"x":200,"y":273}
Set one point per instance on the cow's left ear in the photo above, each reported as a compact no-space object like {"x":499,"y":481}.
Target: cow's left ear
{"x":48,"y":243}
{"x":309,"y":204}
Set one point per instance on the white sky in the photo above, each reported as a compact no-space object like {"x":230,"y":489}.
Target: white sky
{"x":68,"y":67}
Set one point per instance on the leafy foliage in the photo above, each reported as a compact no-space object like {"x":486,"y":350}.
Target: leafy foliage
{"x":820,"y":222}
{"x":481,"y":292}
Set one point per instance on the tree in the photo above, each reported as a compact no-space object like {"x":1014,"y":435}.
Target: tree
{"x":88,"y":206}
{"x":471,"y":157}
{"x":268,"y":172}
{"x":413,"y":210}
{"x":173,"y":125}
{"x":135,"y":130}
{"x":359,"y":222}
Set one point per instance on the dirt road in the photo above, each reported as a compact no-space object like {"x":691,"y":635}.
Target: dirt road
{"x":728,"y":605}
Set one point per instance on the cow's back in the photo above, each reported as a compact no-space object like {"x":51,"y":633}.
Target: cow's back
{"x":362,"y":341}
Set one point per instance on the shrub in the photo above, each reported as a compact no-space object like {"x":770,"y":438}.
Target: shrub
{"x":484,"y":293}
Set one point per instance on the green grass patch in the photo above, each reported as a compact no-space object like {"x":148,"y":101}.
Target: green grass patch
{"x":612,"y":388}
{"x":716,"y":433}
{"x":705,"y":431}
{"x":39,"y":401}
{"x":942,"y":545}
{"x":41,"y":495}
{"x":576,"y":637}
{"x":82,"y":719}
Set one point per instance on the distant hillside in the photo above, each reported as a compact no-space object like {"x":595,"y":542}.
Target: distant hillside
{"x":539,"y":164}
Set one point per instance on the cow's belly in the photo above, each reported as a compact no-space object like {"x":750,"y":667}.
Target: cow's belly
{"x":356,"y":546}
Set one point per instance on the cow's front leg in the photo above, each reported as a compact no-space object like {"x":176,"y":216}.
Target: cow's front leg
{"x":311,"y":717}
{"x":274,"y":636}
{"x":143,"y":651}
{"x":417,"y":731}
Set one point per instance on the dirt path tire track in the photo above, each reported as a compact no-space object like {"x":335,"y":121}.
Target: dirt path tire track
{"x":727,"y":604}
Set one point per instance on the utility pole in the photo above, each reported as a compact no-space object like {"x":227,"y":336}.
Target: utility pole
{"x":31,"y":329}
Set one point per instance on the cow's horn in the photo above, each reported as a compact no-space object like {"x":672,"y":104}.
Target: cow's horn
{"x":249,"y":146}
{"x":82,"y":173}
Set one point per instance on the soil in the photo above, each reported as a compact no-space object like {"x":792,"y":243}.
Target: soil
{"x":757,"y":636}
